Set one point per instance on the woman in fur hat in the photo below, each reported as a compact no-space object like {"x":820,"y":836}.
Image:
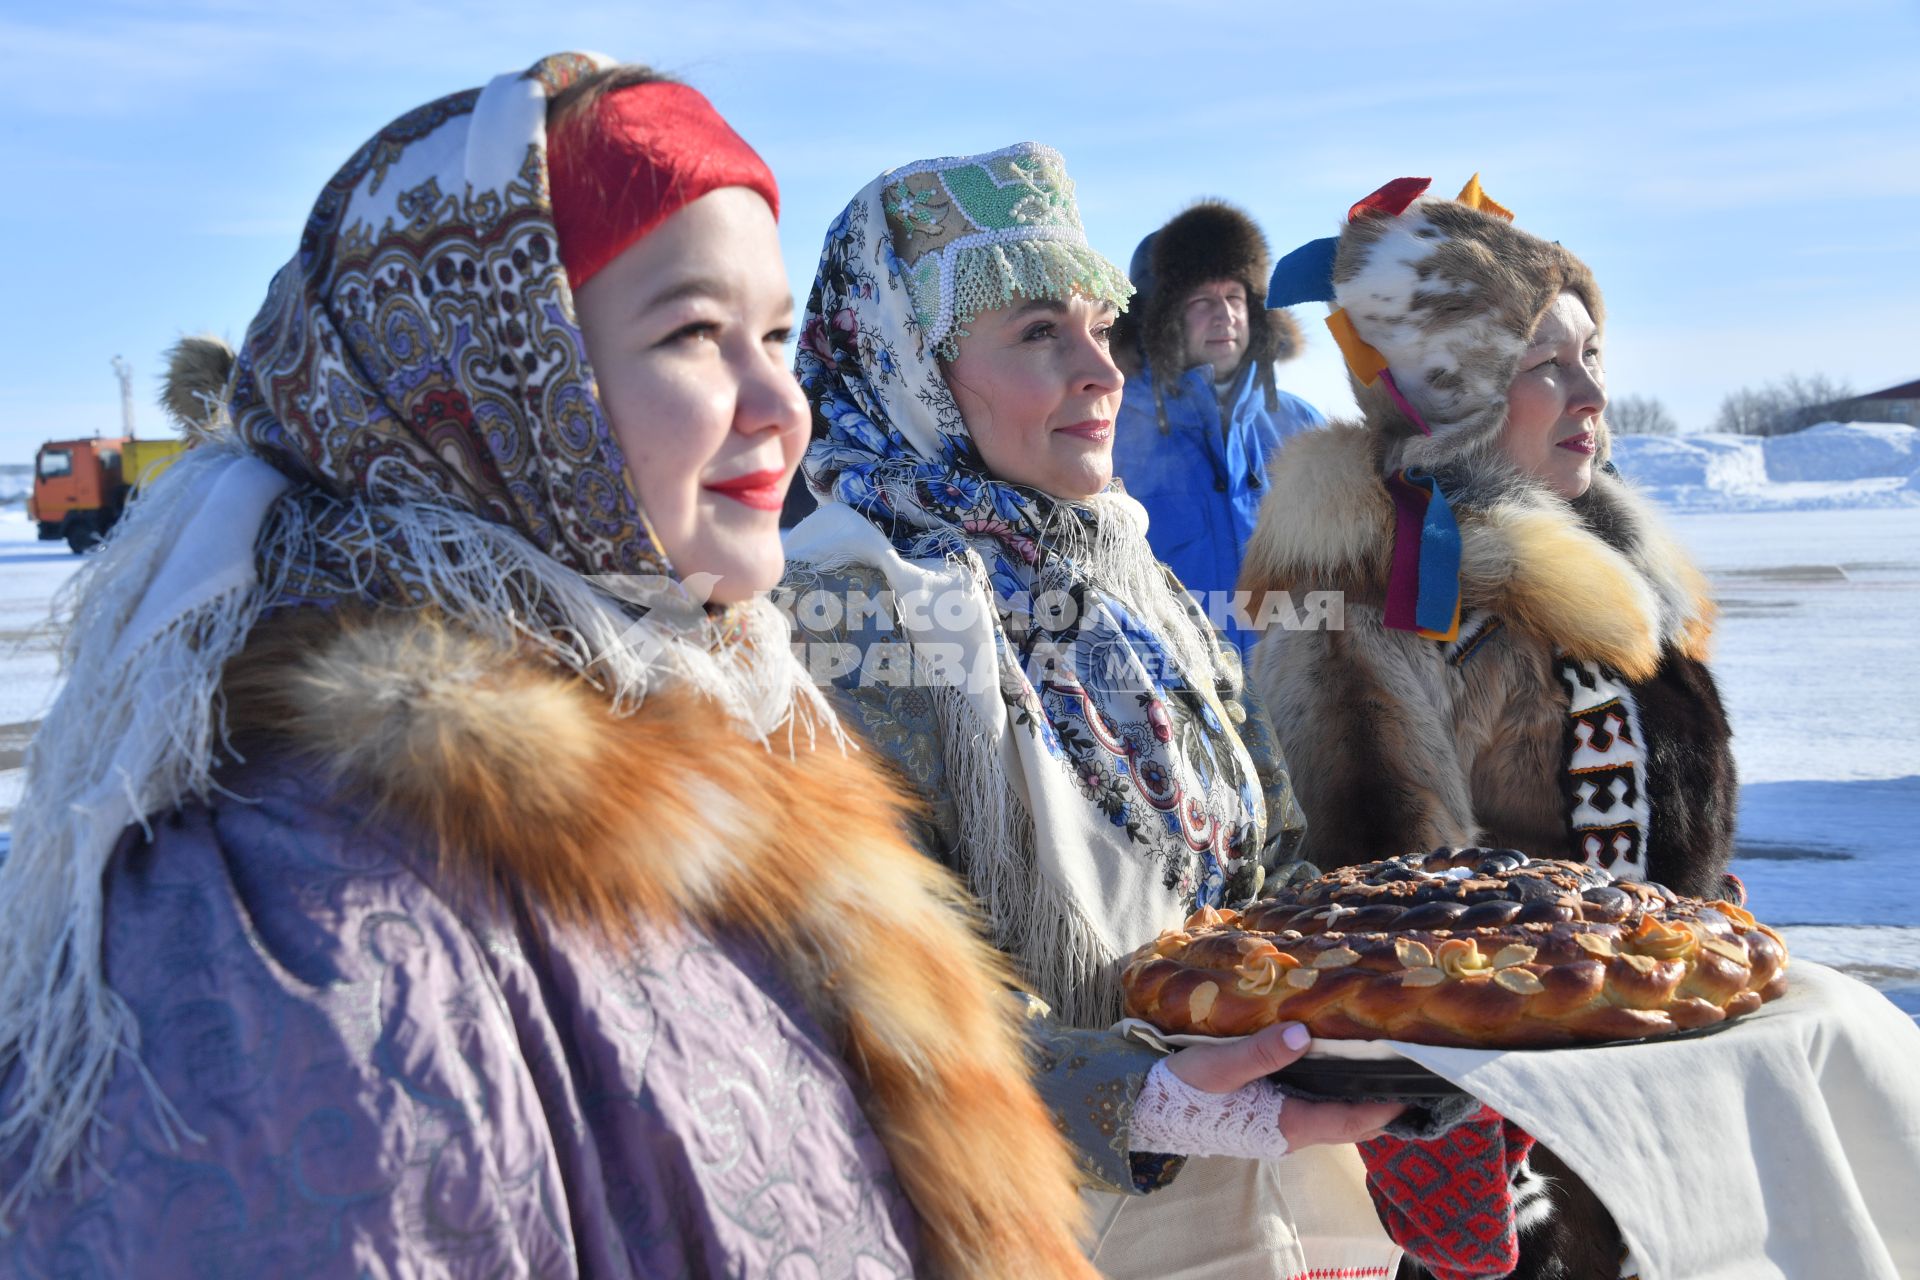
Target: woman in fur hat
{"x":1523,"y":662}
{"x":1201,"y":418}
{"x":1003,"y":634}
{"x":436,"y":862}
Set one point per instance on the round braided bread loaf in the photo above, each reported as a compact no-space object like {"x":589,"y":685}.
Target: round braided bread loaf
{"x":1470,"y":947}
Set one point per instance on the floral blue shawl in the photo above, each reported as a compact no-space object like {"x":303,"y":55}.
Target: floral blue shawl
{"x":1103,"y":791}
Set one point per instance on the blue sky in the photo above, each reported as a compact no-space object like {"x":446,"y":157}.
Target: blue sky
{"x":1742,"y":177}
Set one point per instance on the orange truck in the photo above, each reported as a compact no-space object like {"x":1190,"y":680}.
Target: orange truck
{"x":81,"y":486}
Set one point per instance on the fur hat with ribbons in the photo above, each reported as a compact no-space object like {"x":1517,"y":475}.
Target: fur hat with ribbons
{"x":1434,"y":302}
{"x":1212,"y":241}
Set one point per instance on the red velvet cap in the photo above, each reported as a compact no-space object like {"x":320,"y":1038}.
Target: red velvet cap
{"x":639,"y":155}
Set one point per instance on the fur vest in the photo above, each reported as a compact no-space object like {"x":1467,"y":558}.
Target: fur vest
{"x":527,"y":791}
{"x":1572,"y":613}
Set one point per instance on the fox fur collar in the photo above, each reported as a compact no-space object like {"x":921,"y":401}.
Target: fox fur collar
{"x":1598,"y":578}
{"x":525,"y":783}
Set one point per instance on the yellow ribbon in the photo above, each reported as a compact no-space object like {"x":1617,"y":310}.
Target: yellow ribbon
{"x":1474,"y":196}
{"x":1362,"y":358}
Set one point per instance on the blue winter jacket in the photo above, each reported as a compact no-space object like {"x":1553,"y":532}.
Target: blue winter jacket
{"x":1202,"y":486}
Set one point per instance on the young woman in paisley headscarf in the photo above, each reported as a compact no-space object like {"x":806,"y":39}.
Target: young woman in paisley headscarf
{"x":988,"y":606}
{"x":436,"y":862}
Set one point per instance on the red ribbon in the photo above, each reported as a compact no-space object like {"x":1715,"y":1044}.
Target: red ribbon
{"x":1392,"y":198}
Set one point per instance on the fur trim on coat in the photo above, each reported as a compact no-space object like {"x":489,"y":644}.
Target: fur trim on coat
{"x":524,"y":784}
{"x":196,"y":379}
{"x":1211,"y":241}
{"x":1394,"y":746}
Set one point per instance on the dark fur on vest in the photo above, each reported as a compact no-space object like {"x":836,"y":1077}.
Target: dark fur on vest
{"x":1393,"y":750}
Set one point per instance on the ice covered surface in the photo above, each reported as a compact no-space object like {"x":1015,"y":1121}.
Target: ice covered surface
{"x":1820,"y":609}
{"x":1831,"y":466}
{"x":1883,"y":956}
{"x":30,"y":572}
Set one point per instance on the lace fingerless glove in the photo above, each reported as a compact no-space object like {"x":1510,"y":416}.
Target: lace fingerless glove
{"x":1172,"y":1117}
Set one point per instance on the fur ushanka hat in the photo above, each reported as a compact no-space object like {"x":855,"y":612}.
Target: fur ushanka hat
{"x":1210,"y":241}
{"x":1434,"y":303}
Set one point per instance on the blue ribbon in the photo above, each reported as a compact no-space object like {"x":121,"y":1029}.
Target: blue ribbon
{"x":1439,"y":605}
{"x":1305,"y":275}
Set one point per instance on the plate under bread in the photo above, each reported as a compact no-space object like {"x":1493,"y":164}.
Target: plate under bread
{"x":1370,"y":1068}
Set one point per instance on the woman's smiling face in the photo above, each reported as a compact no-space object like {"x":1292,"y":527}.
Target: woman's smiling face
{"x":686,"y":331}
{"x":1555,"y":400}
{"x":1039,"y":393}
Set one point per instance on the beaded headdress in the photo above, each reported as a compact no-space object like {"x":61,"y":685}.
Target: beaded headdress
{"x":970,"y":232}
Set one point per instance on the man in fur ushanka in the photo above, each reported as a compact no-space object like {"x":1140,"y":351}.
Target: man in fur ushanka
{"x":1201,"y":417}
{"x":1536,"y":678}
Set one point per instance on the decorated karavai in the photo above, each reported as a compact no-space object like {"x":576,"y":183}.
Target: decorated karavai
{"x":1523,"y":660}
{"x":1473,"y":947}
{"x":436,"y":861}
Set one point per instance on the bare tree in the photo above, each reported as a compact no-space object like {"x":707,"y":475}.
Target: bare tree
{"x":1745,"y":412}
{"x":1805,"y":401}
{"x":1641,"y":416}
{"x":1780,"y":407}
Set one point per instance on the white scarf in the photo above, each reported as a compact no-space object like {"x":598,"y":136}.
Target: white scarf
{"x":466,"y":514}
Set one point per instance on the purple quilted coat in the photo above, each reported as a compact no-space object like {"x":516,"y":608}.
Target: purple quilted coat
{"x":386,"y":1084}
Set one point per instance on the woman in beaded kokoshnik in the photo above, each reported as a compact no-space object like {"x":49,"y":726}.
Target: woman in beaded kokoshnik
{"x":458,"y":891}
{"x":985,"y":601}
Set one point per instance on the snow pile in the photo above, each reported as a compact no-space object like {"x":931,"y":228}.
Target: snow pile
{"x":1682,"y":462}
{"x":16,"y":482}
{"x":1844,"y":451}
{"x":1835,"y":464}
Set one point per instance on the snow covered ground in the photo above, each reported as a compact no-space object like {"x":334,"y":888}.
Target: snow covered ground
{"x":30,"y":572}
{"x":1814,"y":656}
{"x":1813,"y":544}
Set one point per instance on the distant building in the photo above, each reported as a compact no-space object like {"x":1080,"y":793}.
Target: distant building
{"x":1894,"y":404}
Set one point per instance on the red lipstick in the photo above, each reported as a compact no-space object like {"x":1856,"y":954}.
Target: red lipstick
{"x":761,"y":490}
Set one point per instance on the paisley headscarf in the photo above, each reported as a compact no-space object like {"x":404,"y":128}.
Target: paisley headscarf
{"x":422,"y":346}
{"x":1103,"y":789}
{"x":413,"y":423}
